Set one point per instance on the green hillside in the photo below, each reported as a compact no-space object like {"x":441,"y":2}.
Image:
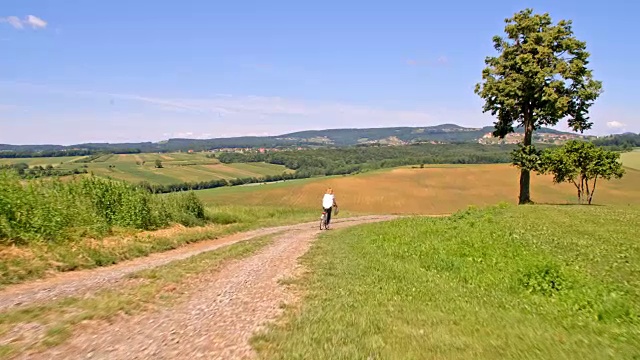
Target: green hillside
{"x":335,"y":137}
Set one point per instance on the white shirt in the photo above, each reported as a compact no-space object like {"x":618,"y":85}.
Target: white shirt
{"x":327,"y":201}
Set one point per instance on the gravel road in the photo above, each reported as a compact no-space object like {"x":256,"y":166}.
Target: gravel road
{"x":218,"y":317}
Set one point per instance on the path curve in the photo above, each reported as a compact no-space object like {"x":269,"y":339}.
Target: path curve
{"x":86,"y":281}
{"x":220,"y":313}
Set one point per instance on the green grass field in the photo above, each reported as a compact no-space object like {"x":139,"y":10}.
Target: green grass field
{"x":177,"y":167}
{"x":631,"y":159}
{"x":528,"y":282}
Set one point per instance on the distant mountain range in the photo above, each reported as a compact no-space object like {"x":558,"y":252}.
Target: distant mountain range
{"x":445,"y":133}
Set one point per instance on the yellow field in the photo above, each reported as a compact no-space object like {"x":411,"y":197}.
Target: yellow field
{"x":432,"y":190}
{"x":631,"y":159}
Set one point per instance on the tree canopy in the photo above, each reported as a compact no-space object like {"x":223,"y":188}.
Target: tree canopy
{"x":581,"y":163}
{"x":539,"y":78}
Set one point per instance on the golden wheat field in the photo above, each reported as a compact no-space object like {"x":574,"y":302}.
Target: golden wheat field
{"x":432,"y":190}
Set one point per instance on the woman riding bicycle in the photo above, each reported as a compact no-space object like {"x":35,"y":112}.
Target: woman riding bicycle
{"x":328,"y":203}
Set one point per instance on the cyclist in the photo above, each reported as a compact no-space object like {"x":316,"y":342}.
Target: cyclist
{"x":328,"y":203}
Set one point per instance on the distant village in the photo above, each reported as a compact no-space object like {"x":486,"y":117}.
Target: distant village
{"x":486,"y":139}
{"x":545,"y":138}
{"x":261,"y":150}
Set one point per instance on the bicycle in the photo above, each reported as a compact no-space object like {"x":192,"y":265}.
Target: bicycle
{"x":323,"y":221}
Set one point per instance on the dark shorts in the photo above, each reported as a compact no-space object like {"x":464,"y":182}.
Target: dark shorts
{"x":328,"y":211}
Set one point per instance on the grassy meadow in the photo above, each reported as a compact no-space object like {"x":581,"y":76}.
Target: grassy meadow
{"x":43,"y":161}
{"x":52,"y":210}
{"x":176,"y":167}
{"x":507,"y":282}
{"x":432,"y":190}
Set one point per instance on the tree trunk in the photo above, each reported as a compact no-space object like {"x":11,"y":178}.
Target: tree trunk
{"x":525,"y":180}
{"x":586,"y":182}
{"x":577,"y":187}
{"x":593,"y":189}
{"x":525,"y":175}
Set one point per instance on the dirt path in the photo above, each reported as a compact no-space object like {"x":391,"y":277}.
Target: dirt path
{"x":218,"y":317}
{"x":86,"y":281}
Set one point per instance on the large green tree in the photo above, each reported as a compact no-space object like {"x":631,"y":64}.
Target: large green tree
{"x":539,"y":78}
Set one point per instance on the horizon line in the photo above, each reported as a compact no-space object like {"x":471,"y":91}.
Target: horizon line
{"x":282,"y":134}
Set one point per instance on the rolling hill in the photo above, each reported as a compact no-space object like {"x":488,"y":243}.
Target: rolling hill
{"x":448,"y":133}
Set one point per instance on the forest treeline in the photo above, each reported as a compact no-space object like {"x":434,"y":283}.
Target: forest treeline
{"x":25,"y":172}
{"x":325,"y":161}
{"x":621,"y":142}
{"x":22,"y":154}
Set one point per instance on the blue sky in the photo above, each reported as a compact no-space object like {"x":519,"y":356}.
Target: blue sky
{"x":77,"y":71}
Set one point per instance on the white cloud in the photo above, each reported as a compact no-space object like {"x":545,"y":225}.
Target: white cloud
{"x":283,"y":109}
{"x":251,"y":107}
{"x":36,"y":22}
{"x":30,"y":20}
{"x":187,"y":135}
{"x":13,"y":21}
{"x":159,"y":118}
{"x":615,"y":125}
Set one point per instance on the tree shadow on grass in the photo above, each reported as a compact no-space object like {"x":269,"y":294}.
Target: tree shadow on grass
{"x":567,"y":204}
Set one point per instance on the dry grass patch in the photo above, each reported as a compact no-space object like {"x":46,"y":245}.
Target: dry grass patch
{"x":432,"y":190}
{"x":631,"y":159}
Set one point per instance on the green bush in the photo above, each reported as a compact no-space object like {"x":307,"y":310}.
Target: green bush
{"x":182,"y":208}
{"x":50,"y":210}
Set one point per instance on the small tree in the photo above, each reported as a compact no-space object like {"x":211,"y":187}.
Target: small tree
{"x":158,"y":164}
{"x":581,"y":163}
{"x":539,"y":78}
